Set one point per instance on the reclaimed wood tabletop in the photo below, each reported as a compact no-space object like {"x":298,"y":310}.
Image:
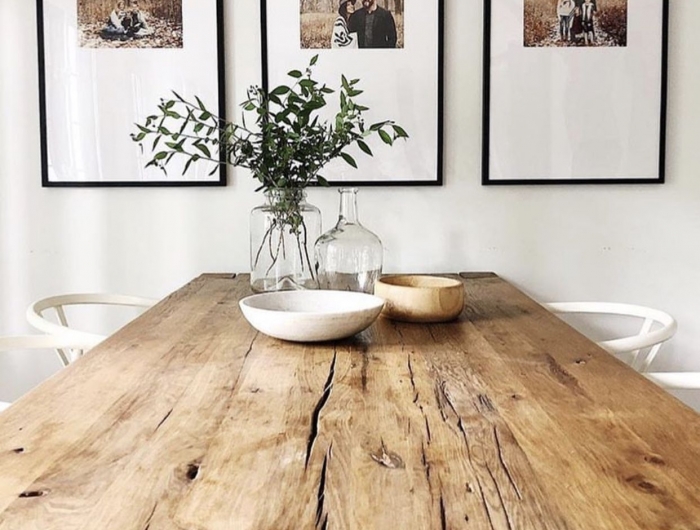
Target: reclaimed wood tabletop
{"x":503,"y":419}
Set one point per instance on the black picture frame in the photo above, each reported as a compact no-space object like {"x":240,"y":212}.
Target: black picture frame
{"x":61,"y":13}
{"x":507,"y":137}
{"x":434,"y":105}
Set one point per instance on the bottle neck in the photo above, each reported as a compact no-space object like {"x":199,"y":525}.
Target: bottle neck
{"x":348,"y":206}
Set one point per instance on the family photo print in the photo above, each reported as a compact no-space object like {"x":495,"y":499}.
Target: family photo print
{"x":574,"y":91}
{"x":575,"y":23}
{"x":394,"y":49}
{"x":352,"y":23}
{"x":104,"y":65}
{"x":130,"y":23}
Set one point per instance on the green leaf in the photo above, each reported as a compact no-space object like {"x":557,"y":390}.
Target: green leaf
{"x":249,"y":107}
{"x":400,"y":132}
{"x":281,"y":90}
{"x":313,"y":60}
{"x":350,"y":160}
{"x":322,"y":181}
{"x":385,"y":137}
{"x":204,"y":149}
{"x":364,"y":147}
{"x":316,"y":104}
{"x":187,"y":166}
{"x":199,"y":102}
{"x":160,"y":156}
{"x":138,"y":137}
{"x":204,"y":116}
{"x":295,"y":74}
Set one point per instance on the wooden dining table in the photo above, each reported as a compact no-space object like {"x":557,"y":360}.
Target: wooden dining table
{"x":504,"y":419}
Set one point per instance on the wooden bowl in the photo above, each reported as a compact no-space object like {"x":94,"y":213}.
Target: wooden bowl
{"x":412,"y":298}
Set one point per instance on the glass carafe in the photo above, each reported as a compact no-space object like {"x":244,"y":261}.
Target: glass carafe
{"x":348,"y":257}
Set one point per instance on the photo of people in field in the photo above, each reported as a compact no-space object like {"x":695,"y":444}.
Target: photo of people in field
{"x":549,"y":23}
{"x":352,"y":24}
{"x":130,"y":23}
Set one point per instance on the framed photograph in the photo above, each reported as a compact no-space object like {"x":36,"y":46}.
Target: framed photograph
{"x":104,"y":66}
{"x":395,"y":49}
{"x":574,"y":91}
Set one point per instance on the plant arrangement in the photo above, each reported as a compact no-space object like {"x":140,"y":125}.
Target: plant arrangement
{"x":284,"y":142}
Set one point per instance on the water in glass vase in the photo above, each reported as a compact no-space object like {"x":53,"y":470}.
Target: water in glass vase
{"x":282,"y":234}
{"x":348,"y":257}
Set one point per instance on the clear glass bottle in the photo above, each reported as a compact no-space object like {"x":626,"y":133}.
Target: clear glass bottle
{"x":348,"y":257}
{"x":282,"y":235}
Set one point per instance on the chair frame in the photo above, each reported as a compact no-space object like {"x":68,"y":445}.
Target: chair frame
{"x":635,"y":344}
{"x":675,"y":380}
{"x":59,"y":343}
{"x":36,"y":318}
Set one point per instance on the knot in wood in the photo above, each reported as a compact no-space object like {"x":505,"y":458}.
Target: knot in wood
{"x":387,"y":458}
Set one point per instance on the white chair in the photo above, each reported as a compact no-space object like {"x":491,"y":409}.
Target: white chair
{"x":675,"y":380}
{"x":657,"y":328}
{"x":39,"y":342}
{"x":38,"y":319}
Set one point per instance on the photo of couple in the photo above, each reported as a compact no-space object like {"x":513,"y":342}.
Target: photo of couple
{"x":351,"y":24}
{"x":556,"y":23}
{"x":130,"y":23}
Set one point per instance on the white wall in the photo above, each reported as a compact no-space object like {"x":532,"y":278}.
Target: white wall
{"x":625,"y":243}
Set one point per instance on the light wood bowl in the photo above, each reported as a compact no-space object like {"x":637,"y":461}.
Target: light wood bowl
{"x":412,"y":298}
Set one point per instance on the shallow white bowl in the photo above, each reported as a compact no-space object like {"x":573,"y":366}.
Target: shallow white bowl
{"x":311,"y":316}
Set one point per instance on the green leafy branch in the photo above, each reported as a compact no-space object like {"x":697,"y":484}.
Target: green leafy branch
{"x":289,"y":144}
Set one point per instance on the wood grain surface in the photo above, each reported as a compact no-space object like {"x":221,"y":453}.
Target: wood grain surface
{"x":505,"y":419}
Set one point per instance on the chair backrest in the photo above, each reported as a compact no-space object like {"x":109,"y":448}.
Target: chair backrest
{"x":37,"y":317}
{"x":675,"y":380}
{"x":43,"y":342}
{"x":40,"y":342}
{"x":657,"y":327}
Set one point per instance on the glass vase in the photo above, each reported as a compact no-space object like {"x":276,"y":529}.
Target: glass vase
{"x":282,"y":234}
{"x":348,"y":257}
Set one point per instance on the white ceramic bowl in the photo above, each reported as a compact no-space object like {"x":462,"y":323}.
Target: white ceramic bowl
{"x":311,"y":316}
